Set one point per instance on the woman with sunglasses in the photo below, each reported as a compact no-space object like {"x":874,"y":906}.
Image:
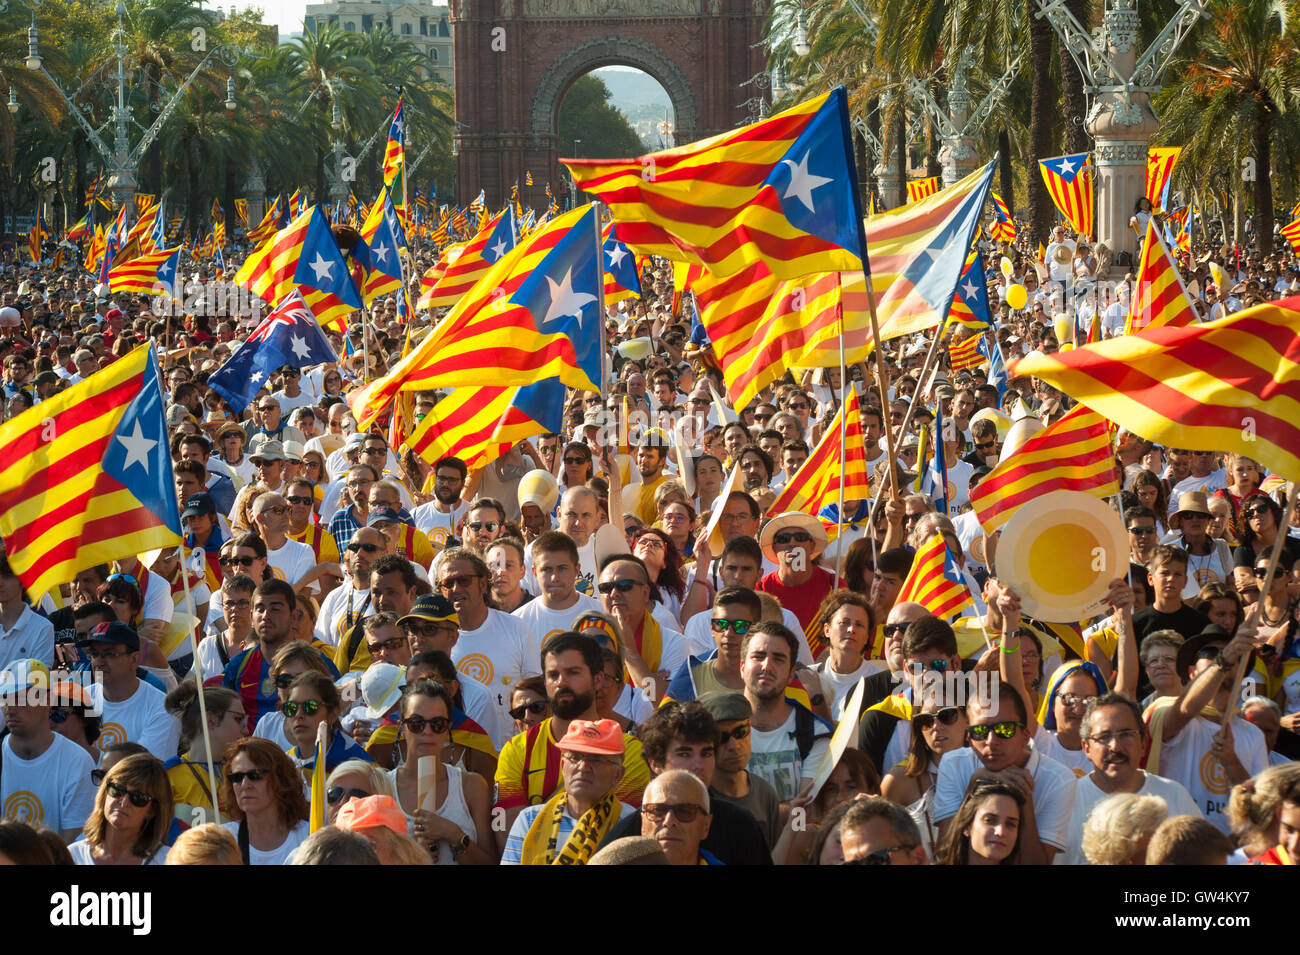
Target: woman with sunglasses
{"x":314,"y":699}
{"x":246,"y":554}
{"x":188,"y":774}
{"x":664,"y":567}
{"x":354,"y":779}
{"x":986,"y":829}
{"x":315,"y":470}
{"x":936,"y":729}
{"x":267,"y":802}
{"x":528,"y":703}
{"x":576,"y":466}
{"x":1260,"y":518}
{"x":677,"y":518}
{"x":133,"y":811}
{"x":291,"y":660}
{"x":459,"y":831}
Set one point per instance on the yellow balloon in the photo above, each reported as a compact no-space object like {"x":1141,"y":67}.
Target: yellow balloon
{"x":1017,"y":297}
{"x":1006,"y":267}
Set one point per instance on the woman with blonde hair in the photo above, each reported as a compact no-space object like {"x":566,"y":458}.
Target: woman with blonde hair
{"x":133,"y":811}
{"x":1254,"y":810}
{"x":192,"y":790}
{"x":355,"y":779}
{"x":208,"y":844}
{"x":1120,"y":827}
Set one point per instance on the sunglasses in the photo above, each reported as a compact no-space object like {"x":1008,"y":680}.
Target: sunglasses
{"x":722,"y":625}
{"x":893,"y":629}
{"x":535,"y":708}
{"x":138,"y":799}
{"x":1003,"y":730}
{"x":454,"y":583}
{"x":297,"y":499}
{"x":880,"y":856}
{"x":985,"y":445}
{"x":308,"y":707}
{"x":1262,"y":572}
{"x":649,"y":540}
{"x":947,"y":715}
{"x":368,"y":548}
{"x":684,"y":811}
{"x":336,"y":794}
{"x":575,"y":460}
{"x":937,"y":665}
{"x":392,"y":643}
{"x":622,"y":585}
{"x":791,"y":537}
{"x":416,"y":724}
{"x":1071,"y":700}
{"x":277,"y":509}
{"x":740,"y":732}
{"x":253,"y":776}
{"x":236,"y":561}
{"x":489,"y":526}
{"x":1142,"y":529}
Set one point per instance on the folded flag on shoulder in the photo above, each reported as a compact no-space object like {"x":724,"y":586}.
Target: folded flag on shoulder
{"x":935,"y":581}
{"x":781,"y":191}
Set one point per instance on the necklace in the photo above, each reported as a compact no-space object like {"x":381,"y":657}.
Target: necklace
{"x":1263,"y":616}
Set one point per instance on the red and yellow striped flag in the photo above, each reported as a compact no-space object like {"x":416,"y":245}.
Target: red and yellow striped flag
{"x":935,"y":581}
{"x":817,"y":482}
{"x":436,"y":271}
{"x":473,"y":262}
{"x":1292,"y":233}
{"x":1160,"y":297}
{"x":478,"y":425}
{"x":918,"y":189}
{"x":148,"y":274}
{"x":1004,"y":227}
{"x":268,"y":226}
{"x":1160,"y":169}
{"x":1071,"y":455}
{"x":965,"y":353}
{"x":1069,"y":183}
{"x":1231,"y":385}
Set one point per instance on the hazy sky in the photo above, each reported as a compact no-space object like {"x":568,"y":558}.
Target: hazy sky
{"x":287,"y":14}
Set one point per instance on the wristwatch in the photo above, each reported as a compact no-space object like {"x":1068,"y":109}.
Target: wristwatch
{"x":1221,"y":663}
{"x":817,"y":700}
{"x":461,"y":845}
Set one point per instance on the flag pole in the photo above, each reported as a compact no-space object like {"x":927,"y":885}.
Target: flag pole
{"x":844,"y":418}
{"x":197,"y":669}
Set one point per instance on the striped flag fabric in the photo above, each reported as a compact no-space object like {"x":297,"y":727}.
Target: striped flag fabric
{"x":918,"y":252}
{"x":1004,"y":227}
{"x":488,"y":247}
{"x":619,"y":268}
{"x":86,"y":476}
{"x":384,"y":239}
{"x":933,"y":479}
{"x":818,"y":481}
{"x":1176,"y":231}
{"x":1160,"y":297}
{"x":781,"y":191}
{"x":479,"y":425}
{"x":935,"y":581}
{"x":395,"y":147}
{"x":1292,"y":233}
{"x":148,"y":274}
{"x":965,"y":353}
{"x":1231,"y":385}
{"x":918,"y":189}
{"x":1069,"y":183}
{"x":429,"y":280}
{"x":970,"y":304}
{"x":35,"y":236}
{"x":1074,"y":454}
{"x":267,"y":227}
{"x":1160,"y":173}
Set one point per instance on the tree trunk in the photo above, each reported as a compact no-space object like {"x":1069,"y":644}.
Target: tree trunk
{"x":1263,"y":181}
{"x":1005,"y":172}
{"x":862,"y":158}
{"x":873,"y":124}
{"x":932,"y":144}
{"x":1042,"y":100}
{"x":1074,"y":105}
{"x":900,"y":143}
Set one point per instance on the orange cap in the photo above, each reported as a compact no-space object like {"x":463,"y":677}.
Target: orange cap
{"x":372,"y":812}
{"x":603,"y":737}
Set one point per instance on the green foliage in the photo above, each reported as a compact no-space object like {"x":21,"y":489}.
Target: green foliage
{"x":586,"y":114}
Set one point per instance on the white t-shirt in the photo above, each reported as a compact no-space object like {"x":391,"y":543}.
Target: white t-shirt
{"x":958,"y":491}
{"x":587,"y":569}
{"x":140,"y":718}
{"x":774,"y":756}
{"x":438,"y":525}
{"x":481,"y":707}
{"x":1087,"y":795}
{"x":699,"y":635}
{"x":837,"y":686}
{"x":541,"y":621}
{"x":1075,"y":760}
{"x":1053,"y":791}
{"x":291,"y":561}
{"x":331,"y":622}
{"x":970,"y":534}
{"x":1186,"y":759}
{"x":271,"y":726}
{"x":157,"y":599}
{"x":289,"y":405}
{"x":1114,"y":319}
{"x":1215,"y":481}
{"x":498,"y":654}
{"x":31,"y":637}
{"x":279,"y":855}
{"x":53,"y":790}
{"x":80,"y":852}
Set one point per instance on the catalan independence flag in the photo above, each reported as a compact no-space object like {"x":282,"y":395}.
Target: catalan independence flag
{"x":781,"y":191}
{"x":965,"y":353}
{"x":148,"y":274}
{"x":395,"y":148}
{"x":35,"y":236}
{"x":935,"y":581}
{"x":918,"y":189}
{"x":86,"y":477}
{"x":620,"y":275}
{"x":1160,"y":173}
{"x":483,"y":251}
{"x":1231,"y":385}
{"x":970,"y":304}
{"x":919,"y":251}
{"x":1292,"y":233}
{"x":1073,"y":454}
{"x":384,"y":238}
{"x":480,"y":424}
{"x":319,"y":811}
{"x":819,"y":479}
{"x":1004,"y":228}
{"x":267,"y":227}
{"x":1069,"y":183}
{"x":1160,"y":297}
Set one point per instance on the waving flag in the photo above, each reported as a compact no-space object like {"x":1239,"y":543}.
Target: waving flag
{"x":1160,"y":297}
{"x":289,"y":335}
{"x":1231,"y":385}
{"x":114,"y":239}
{"x":483,"y":251}
{"x":781,"y":191}
{"x":965,"y":353}
{"x":934,"y":478}
{"x":919,"y":251}
{"x":1292,"y":233}
{"x":267,"y":227}
{"x":384,"y":238}
{"x":991,"y":350}
{"x":395,"y":148}
{"x":1176,"y":230}
{"x":1073,"y":454}
{"x":1069,"y":183}
{"x":148,"y":274}
{"x":620,"y":278}
{"x":35,"y":236}
{"x":935,"y":581}
{"x":1160,"y":173}
{"x":86,"y":477}
{"x":479,"y":425}
{"x":817,"y":482}
{"x":918,"y":189}
{"x":1004,"y":228}
{"x":970,"y":304}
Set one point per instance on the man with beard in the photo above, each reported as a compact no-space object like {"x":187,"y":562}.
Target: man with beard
{"x":528,"y":768}
{"x":439,"y":517}
{"x":1113,"y":736}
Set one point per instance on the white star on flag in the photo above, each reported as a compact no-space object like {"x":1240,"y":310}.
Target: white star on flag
{"x":968,"y":289}
{"x":137,"y":448}
{"x":256,"y":376}
{"x":802,"y":182}
{"x":1066,"y":166}
{"x":299,"y":346}
{"x":323,"y":269}
{"x":616,"y":256}
{"x":499,"y":249}
{"x":565,"y":301}
{"x":381,"y":253}
{"x":164,"y":269}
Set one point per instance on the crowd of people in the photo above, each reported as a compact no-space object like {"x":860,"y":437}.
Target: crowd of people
{"x":602,"y":647}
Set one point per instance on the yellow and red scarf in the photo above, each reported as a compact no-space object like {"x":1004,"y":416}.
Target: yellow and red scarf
{"x":541,"y":841}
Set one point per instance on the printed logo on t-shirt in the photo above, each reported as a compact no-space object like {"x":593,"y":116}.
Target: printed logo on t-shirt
{"x":586,"y":585}
{"x":23,"y":806}
{"x":478,"y":666}
{"x":439,"y":536}
{"x":110,"y":734}
{"x":975,"y":550}
{"x":1213,"y":777}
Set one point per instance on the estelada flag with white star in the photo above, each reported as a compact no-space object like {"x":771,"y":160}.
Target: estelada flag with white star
{"x":918,"y":252}
{"x":149,"y":274}
{"x":86,"y":476}
{"x":535,"y":314}
{"x":1069,"y":183}
{"x":620,"y":273}
{"x":970,"y":305}
{"x":782,"y":191}
{"x":289,"y":335}
{"x":384,"y":239}
{"x":303,"y":255}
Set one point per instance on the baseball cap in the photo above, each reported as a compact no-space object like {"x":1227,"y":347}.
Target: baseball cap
{"x":381,"y":688}
{"x":383,"y":515}
{"x":112,"y":632}
{"x":726,"y":705}
{"x":434,"y":608}
{"x":372,"y":812}
{"x":269,"y":451}
{"x":602,"y":737}
{"x":197,"y":505}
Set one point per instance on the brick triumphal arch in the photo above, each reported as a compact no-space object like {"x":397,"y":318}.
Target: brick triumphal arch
{"x":515,"y":59}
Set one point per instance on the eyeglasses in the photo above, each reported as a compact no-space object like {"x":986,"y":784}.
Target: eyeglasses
{"x":236,"y":561}
{"x":97,"y":654}
{"x":299,"y":499}
{"x":283,"y":680}
{"x":937,"y":665}
{"x":649,"y":540}
{"x":1119,"y":736}
{"x":276,"y":509}
{"x":675,"y":518}
{"x":912,"y":518}
{"x":535,"y":708}
{"x":138,"y":799}
{"x":1263,"y":572}
{"x":368,"y":548}
{"x":489,"y":526}
{"x":308,"y":707}
{"x":684,"y":811}
{"x":416,"y":724}
{"x":97,"y":776}
{"x":722,"y":625}
{"x":374,"y":450}
{"x":791,"y":537}
{"x":457,"y":583}
{"x":1003,"y":730}
{"x":622,"y":585}
{"x":947,"y":715}
{"x":1142,"y":529}
{"x":253,"y":776}
{"x":740,"y":732}
{"x":1071,"y":700}
{"x":336,"y":794}
{"x":880,"y":856}
{"x":762,"y":418}
{"x":591,"y":759}
{"x":1254,"y":512}
{"x":392,"y":643}
{"x":986,"y":445}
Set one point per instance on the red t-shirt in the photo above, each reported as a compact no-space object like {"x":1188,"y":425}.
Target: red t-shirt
{"x":801,"y":600}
